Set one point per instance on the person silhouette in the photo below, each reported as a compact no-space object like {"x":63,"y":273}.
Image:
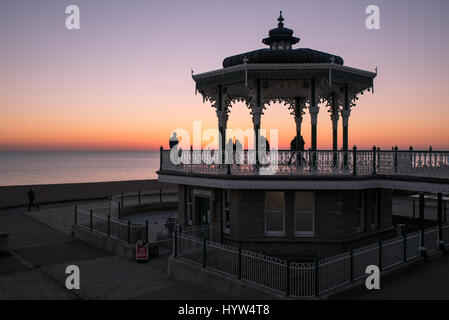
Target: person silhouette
{"x":31,"y":197}
{"x":229,"y":149}
{"x":173,"y":140}
{"x":301,"y":144}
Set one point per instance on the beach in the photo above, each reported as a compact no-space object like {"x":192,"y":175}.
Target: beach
{"x":11,"y":196}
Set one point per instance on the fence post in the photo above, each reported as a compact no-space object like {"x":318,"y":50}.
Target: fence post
{"x":147,"y":230}
{"x":380,"y":255}
{"x":160,"y":157}
{"x":317,"y":282}
{"x":374,"y":159}
{"x":240,"y":263}
{"x":414,"y":209}
{"x":139,"y":197}
{"x":175,"y":243}
{"x":91,"y":215}
{"x":396,"y":159}
{"x":445,"y":211}
{"x":76,"y":215}
{"x":287,"y":287}
{"x":204,"y":252}
{"x":440,"y":221}
{"x":354,"y":160}
{"x":129,"y":231}
{"x":422,"y":248}
{"x":109,"y":225}
{"x":405,"y":247}
{"x":119,"y":215}
{"x":351,"y":273}
{"x":122,"y":202}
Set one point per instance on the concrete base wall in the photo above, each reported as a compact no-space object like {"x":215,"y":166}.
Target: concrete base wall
{"x":209,"y":279}
{"x":110,"y":245}
{"x":11,"y":196}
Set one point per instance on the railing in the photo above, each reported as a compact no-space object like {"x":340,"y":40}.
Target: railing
{"x":141,"y":197}
{"x":309,"y":162}
{"x":125,"y":232}
{"x":210,"y":231}
{"x":306,"y":279}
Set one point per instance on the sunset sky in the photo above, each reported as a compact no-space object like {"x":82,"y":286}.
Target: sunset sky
{"x":123,"y":81}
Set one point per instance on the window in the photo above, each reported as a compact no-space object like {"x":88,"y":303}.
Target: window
{"x":304,"y":214}
{"x":361,"y":212}
{"x":274,"y":213}
{"x":372,"y":210}
{"x":226,"y":213}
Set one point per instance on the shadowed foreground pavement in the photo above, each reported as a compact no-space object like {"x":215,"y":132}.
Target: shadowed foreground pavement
{"x":36,"y":270}
{"x":429,"y":281}
{"x":40,"y":255}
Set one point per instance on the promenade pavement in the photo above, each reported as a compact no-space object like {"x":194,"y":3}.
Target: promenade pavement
{"x":40,"y":255}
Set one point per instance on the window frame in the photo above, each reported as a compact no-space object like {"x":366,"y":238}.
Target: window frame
{"x":275,"y":233}
{"x":308,"y":234}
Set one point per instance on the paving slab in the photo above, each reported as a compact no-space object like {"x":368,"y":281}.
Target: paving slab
{"x":114,"y":277}
{"x":31,"y":285}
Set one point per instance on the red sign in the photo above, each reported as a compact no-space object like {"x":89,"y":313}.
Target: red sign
{"x":141,"y":252}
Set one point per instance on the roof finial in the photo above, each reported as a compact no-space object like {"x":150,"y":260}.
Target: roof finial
{"x":280,"y":19}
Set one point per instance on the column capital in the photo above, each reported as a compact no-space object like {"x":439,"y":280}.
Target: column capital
{"x":256,"y":116}
{"x":222,"y":116}
{"x":335,"y":117}
{"x":345,"y":113}
{"x":313,"y":110}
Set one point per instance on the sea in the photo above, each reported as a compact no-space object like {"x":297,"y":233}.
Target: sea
{"x":48,"y":167}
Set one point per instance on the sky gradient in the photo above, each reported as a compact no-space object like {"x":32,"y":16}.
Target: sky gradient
{"x":123,"y":82}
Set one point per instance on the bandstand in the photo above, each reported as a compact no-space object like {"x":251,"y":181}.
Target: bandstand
{"x":316,"y":202}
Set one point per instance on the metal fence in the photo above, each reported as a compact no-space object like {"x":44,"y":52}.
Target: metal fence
{"x":125,"y":232}
{"x":141,"y":197}
{"x":306,"y":279}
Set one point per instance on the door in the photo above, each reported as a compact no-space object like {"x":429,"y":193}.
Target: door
{"x":202,"y":206}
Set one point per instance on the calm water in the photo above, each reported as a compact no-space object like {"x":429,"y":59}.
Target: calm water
{"x":44,"y":167}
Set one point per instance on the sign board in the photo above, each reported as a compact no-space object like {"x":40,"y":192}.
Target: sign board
{"x":202,"y":193}
{"x":141,"y":251}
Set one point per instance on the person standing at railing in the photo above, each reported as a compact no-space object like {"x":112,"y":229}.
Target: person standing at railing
{"x":238,"y":149}
{"x":229,"y":149}
{"x":173,"y":141}
{"x":301,"y":144}
{"x":299,"y":160}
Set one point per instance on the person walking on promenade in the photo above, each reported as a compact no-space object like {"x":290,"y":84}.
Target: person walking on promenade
{"x":31,"y":197}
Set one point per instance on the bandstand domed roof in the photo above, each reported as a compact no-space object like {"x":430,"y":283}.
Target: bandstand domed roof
{"x":281,"y":41}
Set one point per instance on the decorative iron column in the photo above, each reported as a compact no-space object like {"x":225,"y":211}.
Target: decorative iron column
{"x":222,"y":115}
{"x":256,"y":111}
{"x":313,"y":109}
{"x":345,"y":115}
{"x":334,"y":117}
{"x":298,"y":113}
